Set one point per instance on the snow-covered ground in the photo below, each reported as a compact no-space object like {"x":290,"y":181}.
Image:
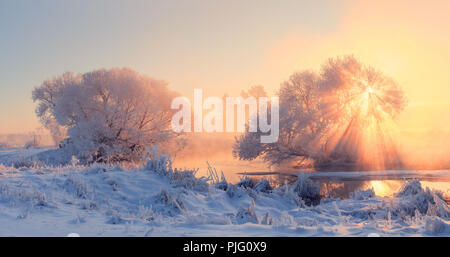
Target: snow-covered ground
{"x":155,"y":200}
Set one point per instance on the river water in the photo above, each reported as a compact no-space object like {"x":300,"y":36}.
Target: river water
{"x":332,"y":184}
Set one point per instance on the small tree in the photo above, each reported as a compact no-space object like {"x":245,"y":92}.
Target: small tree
{"x":109,"y":115}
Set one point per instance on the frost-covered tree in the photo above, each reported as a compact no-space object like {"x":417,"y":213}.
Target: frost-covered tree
{"x":108,"y":115}
{"x":330,"y":117}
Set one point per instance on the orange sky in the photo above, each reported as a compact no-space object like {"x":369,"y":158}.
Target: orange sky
{"x":408,"y":40}
{"x":224,"y":49}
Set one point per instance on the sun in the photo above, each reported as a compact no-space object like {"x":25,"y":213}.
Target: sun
{"x":364,"y":133}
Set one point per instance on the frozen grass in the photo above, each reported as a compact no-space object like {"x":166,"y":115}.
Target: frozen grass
{"x":155,"y":199}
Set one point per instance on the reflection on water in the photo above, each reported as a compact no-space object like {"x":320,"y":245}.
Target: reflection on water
{"x":332,"y":184}
{"x":335,"y":187}
{"x":342,"y":189}
{"x":383,"y":188}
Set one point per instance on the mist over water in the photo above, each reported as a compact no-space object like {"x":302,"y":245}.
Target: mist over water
{"x":343,"y":118}
{"x":215,"y":150}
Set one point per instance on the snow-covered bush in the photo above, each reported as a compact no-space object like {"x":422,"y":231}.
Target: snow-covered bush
{"x":146,"y":213}
{"x":234,"y":191}
{"x":110,"y":115}
{"x":246,"y":215}
{"x":157,"y":161}
{"x":263,"y":186}
{"x":362,"y":194}
{"x":25,"y":163}
{"x":29,"y":196}
{"x":246,"y":182}
{"x":75,"y":184}
{"x":172,"y":203}
{"x":187,"y":179}
{"x":306,"y":189}
{"x":222,"y":184}
{"x":413,"y":199}
{"x":440,"y":207}
{"x":410,"y":189}
{"x":287,"y":192}
{"x":161,"y":163}
{"x":435,"y":225}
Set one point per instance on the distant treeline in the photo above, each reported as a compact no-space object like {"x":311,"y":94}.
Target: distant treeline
{"x":19,"y":140}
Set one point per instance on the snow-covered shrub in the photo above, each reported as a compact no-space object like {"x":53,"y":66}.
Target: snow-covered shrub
{"x":56,"y":157}
{"x":234,"y":191}
{"x":263,"y":186}
{"x":75,"y":184}
{"x":172,"y":203}
{"x":231,"y":190}
{"x":246,"y":182}
{"x":285,"y":220}
{"x":156,"y":161}
{"x":414,"y":199}
{"x":213,"y":175}
{"x":440,"y":208}
{"x":306,"y":189}
{"x":362,"y":194}
{"x":109,"y":115}
{"x":435,"y":225}
{"x":161,"y":163}
{"x":287,"y":192}
{"x":146,"y":213}
{"x":246,"y":215}
{"x":27,"y":163}
{"x":222,"y":185}
{"x":187,"y":179}
{"x":15,"y":196}
{"x":410,"y":189}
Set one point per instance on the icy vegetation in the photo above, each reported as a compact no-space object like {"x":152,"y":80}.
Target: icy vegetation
{"x":155,"y":199}
{"x":105,"y":115}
